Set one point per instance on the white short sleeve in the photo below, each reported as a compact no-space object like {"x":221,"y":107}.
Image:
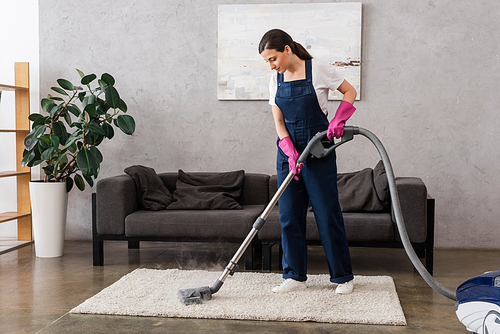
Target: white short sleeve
{"x":273,"y":87}
{"x":325,"y":78}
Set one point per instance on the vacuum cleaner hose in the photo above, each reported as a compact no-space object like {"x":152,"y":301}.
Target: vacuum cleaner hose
{"x":399,"y":217}
{"x":317,"y":149}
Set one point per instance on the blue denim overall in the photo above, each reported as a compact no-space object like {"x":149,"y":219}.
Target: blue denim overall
{"x":317,"y":183}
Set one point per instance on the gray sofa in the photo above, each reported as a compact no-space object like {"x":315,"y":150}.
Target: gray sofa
{"x":117,"y":215}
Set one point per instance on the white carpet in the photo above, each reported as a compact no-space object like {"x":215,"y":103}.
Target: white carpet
{"x":248,"y":296}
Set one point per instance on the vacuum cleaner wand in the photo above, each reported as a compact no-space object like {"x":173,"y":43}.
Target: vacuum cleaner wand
{"x":317,"y":147}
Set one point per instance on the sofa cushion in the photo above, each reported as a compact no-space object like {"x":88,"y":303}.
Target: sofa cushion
{"x":381,"y":183}
{"x":193,"y":224}
{"x":255,"y":189}
{"x":360,"y":227}
{"x":207,"y":192}
{"x":151,"y":192}
{"x":357,"y":192}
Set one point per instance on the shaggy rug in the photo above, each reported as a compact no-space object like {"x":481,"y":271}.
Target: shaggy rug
{"x":248,"y":296}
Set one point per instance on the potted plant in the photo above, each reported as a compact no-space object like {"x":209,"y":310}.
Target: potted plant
{"x":65,"y":137}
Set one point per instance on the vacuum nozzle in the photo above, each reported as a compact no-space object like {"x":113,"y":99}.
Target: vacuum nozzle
{"x":194,"y":296}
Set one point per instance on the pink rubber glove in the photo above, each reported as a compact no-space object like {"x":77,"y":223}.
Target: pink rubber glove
{"x":336,"y":126}
{"x":287,"y":147}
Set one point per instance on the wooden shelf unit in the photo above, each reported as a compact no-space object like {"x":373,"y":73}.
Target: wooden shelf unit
{"x":23,"y":175}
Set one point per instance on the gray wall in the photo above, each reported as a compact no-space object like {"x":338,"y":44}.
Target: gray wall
{"x":429,"y":78}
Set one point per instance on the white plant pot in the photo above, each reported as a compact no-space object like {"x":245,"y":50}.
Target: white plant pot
{"x":49,"y":205}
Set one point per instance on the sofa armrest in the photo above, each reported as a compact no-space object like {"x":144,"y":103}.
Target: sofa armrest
{"x":116,"y":199}
{"x":413,"y":198}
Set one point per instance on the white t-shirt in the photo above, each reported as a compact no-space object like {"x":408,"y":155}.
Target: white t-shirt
{"x":325,"y":78}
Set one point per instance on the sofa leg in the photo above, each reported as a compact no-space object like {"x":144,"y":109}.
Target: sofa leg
{"x":420,"y":253}
{"x":429,"y":261}
{"x":98,"y":252}
{"x":249,"y":257}
{"x":266,"y":256}
{"x":429,"y":243}
{"x":133,"y":245}
{"x":97,"y":243}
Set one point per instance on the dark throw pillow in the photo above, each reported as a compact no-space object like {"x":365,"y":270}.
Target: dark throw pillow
{"x":210,"y":191}
{"x":152,"y":193}
{"x":381,"y":183}
{"x":363,"y":191}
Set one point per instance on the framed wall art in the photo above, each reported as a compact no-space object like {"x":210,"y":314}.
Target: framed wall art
{"x":331,"y":32}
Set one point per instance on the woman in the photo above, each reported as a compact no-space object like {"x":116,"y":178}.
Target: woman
{"x":299,"y":97}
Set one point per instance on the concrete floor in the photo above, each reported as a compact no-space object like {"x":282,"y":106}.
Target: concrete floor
{"x":36,"y":294}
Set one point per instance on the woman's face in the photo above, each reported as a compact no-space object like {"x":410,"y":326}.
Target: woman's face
{"x":278,"y":61}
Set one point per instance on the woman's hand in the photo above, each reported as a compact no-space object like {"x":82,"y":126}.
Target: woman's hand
{"x":287,"y":147}
{"x":336,"y":126}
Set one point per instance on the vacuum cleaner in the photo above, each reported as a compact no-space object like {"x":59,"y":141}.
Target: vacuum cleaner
{"x":477,"y":301}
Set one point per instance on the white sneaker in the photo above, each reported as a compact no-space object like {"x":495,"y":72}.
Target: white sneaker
{"x":290,"y":285}
{"x":345,"y":288}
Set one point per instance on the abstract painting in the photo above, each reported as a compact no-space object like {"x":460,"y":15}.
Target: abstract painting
{"x":331,"y":32}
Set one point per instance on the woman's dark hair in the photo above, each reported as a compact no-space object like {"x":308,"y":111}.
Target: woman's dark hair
{"x":277,"y":39}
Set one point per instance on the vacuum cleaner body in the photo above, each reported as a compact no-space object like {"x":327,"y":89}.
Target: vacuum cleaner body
{"x":478,"y":303}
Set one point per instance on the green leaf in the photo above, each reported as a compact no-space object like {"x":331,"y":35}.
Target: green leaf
{"x":79,"y":182}
{"x":54,"y":141}
{"x":32,"y":139}
{"x":123,"y":106}
{"x":88,"y":79}
{"x":73,"y":109}
{"x":47,"y":154}
{"x":102,"y":84}
{"x":60,"y":130}
{"x":89,"y":180}
{"x":97,"y":154}
{"x":72,"y":139}
{"x":65,"y":84}
{"x":80,"y":73}
{"x":90,"y":109}
{"x":101,"y":107}
{"x":108,"y":79}
{"x":108,"y":130}
{"x":98,"y":139}
{"x":67,"y":118}
{"x":44,"y":142}
{"x":28,"y":156}
{"x":37,"y":119}
{"x":112,"y":97}
{"x":96,"y":129}
{"x":86,"y":116}
{"x":69,"y":184}
{"x":60,"y":163}
{"x":47,"y":105}
{"x":88,"y":100}
{"x":55,"y":109}
{"x":126,"y":123}
{"x":87,"y":162}
{"x":59,"y":90}
{"x":81,"y":96}
{"x":49,"y":170}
